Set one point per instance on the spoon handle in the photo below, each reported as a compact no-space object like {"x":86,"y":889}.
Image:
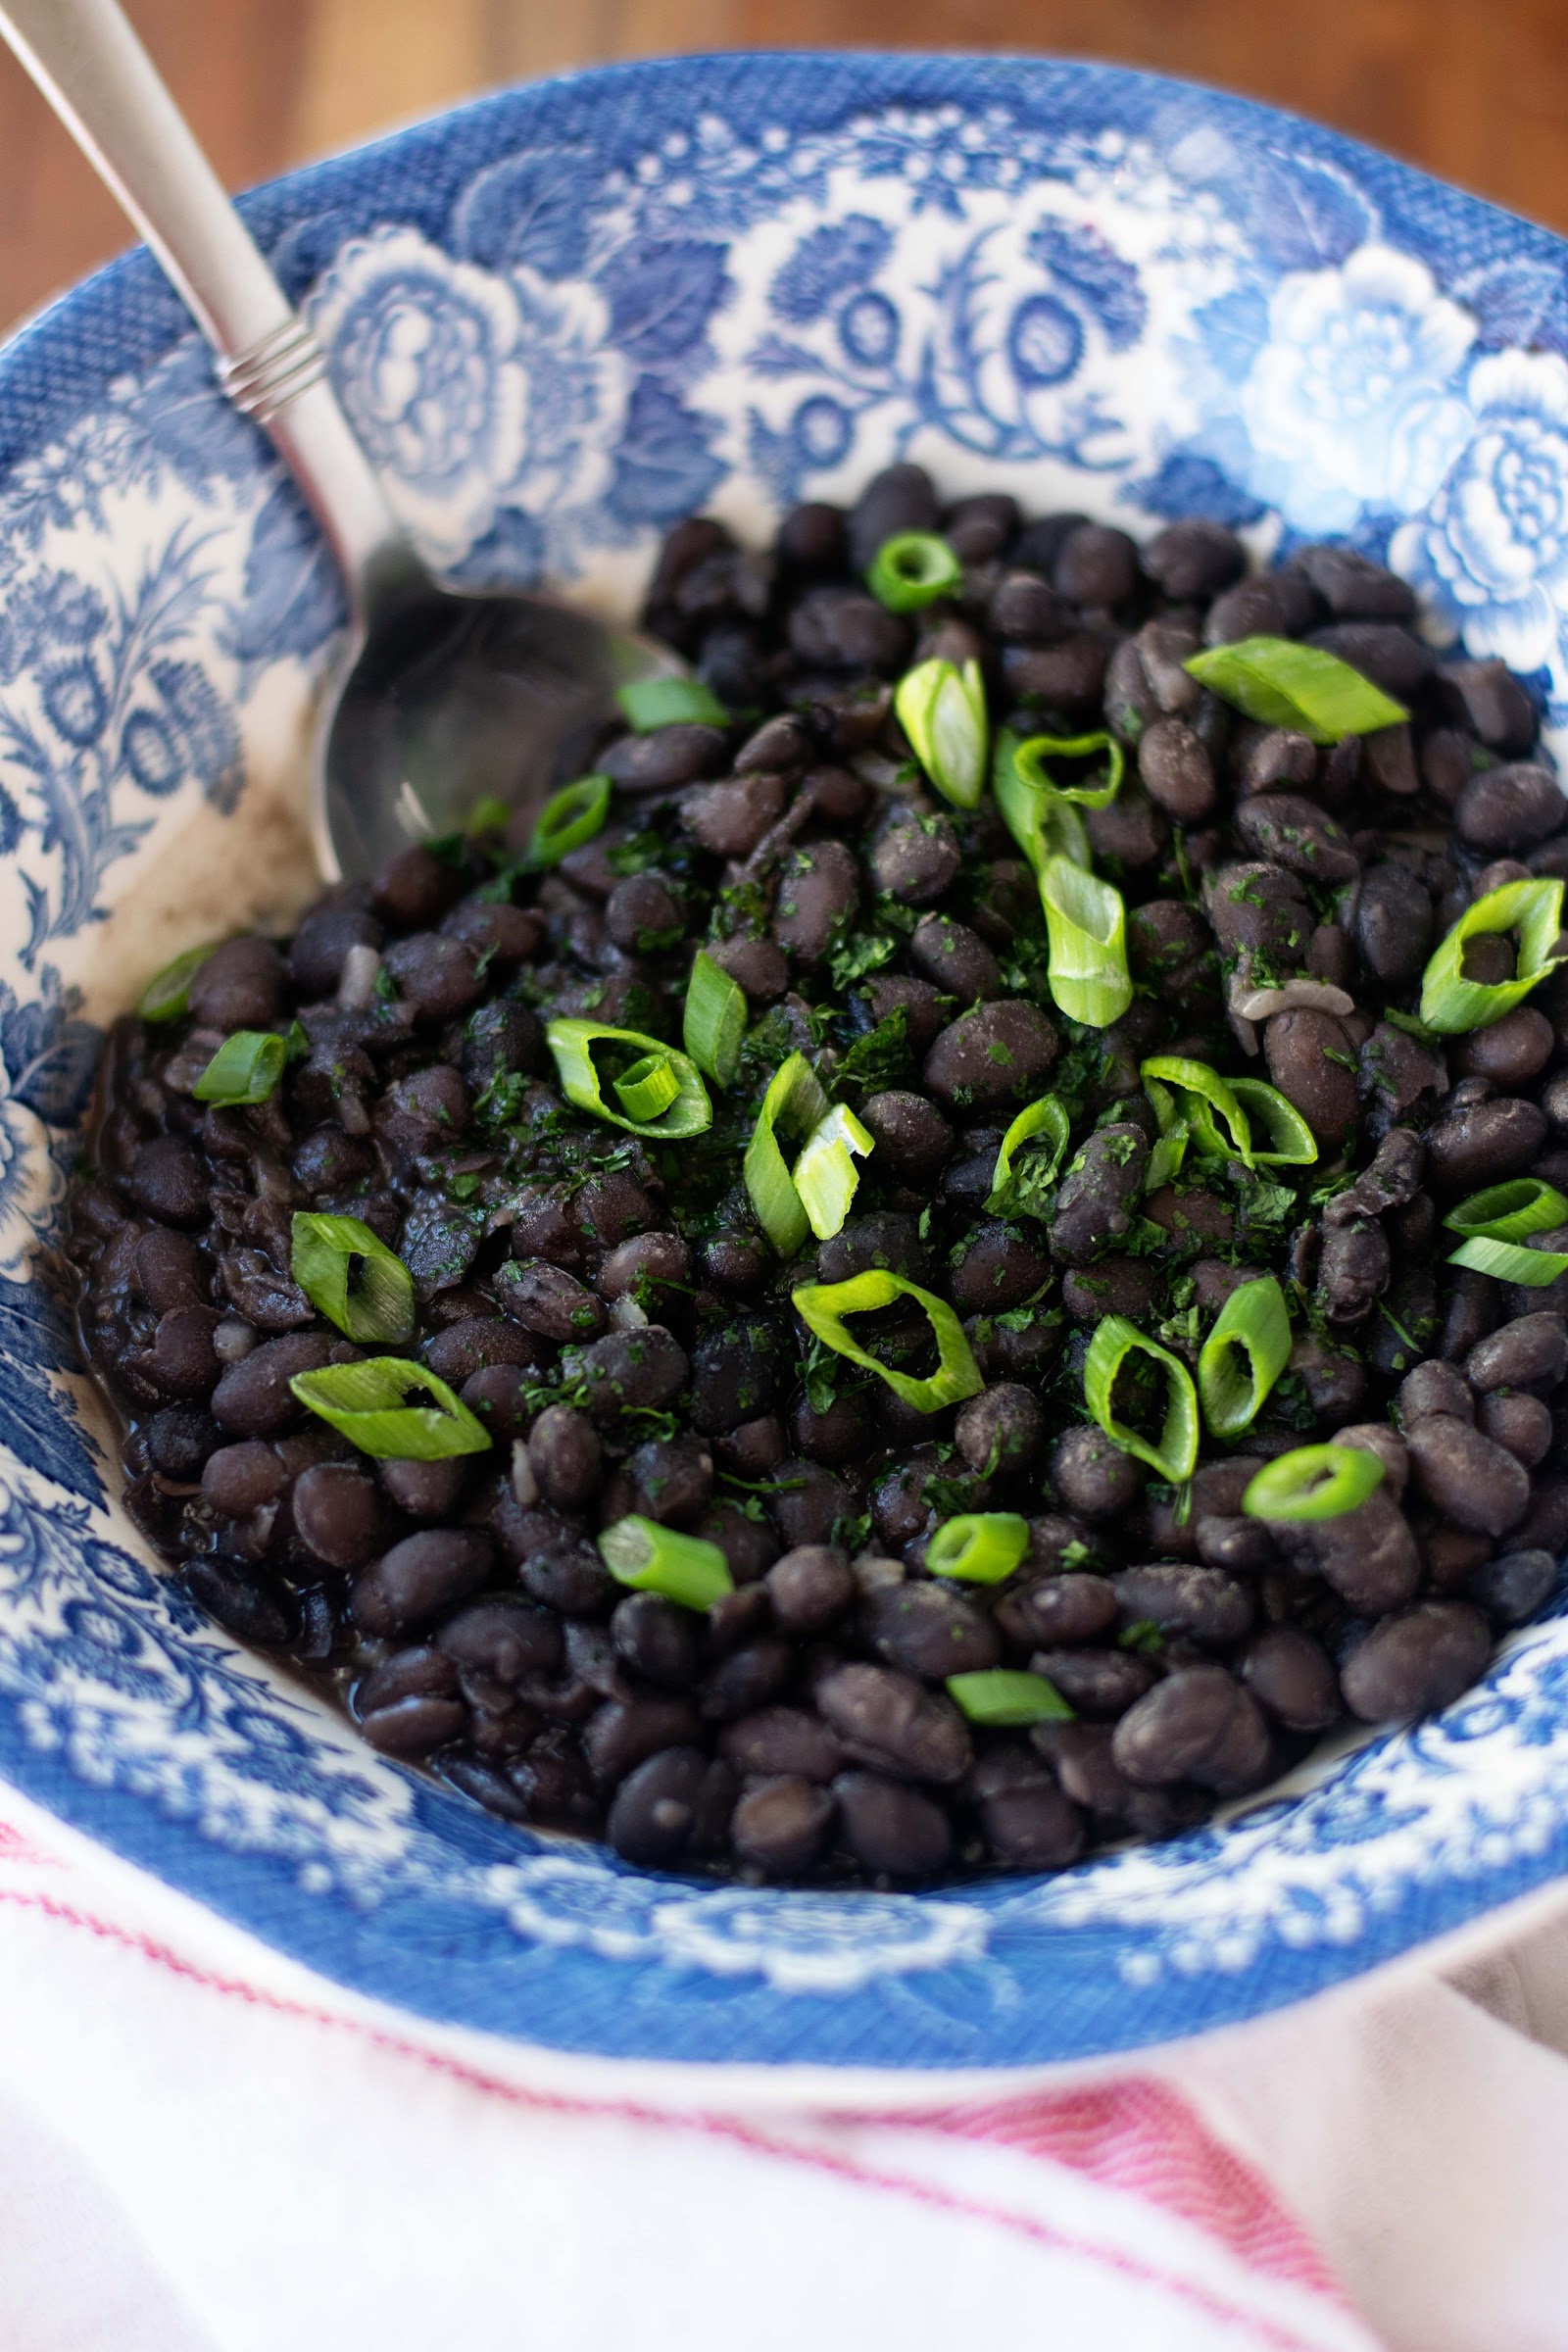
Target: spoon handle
{"x":89,"y":64}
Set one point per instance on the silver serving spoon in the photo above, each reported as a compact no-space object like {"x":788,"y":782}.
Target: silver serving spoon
{"x":441,"y":699}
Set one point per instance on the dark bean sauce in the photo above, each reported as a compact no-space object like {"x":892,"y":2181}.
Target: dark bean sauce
{"x":611,"y":1311}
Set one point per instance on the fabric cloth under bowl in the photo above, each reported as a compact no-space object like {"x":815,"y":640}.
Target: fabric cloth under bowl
{"x":205,"y":2149}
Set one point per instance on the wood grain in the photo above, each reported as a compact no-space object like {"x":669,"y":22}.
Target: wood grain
{"x":1474,"y":89}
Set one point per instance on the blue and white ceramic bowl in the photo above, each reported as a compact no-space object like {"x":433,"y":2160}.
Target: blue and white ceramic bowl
{"x":560,"y":319}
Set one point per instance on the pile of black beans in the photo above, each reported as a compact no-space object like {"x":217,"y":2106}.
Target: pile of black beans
{"x":612,"y":1312}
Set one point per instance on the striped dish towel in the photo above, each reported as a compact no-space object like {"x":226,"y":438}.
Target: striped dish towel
{"x":205,"y":2149}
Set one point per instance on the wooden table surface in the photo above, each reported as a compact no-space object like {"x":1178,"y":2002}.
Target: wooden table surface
{"x":1475,"y":89}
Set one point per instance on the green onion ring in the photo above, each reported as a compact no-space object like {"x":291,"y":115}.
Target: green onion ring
{"x":1175,"y":1456}
{"x":245,"y":1069}
{"x":795,"y":1101}
{"x":825,"y":1176}
{"x":978,"y":1547}
{"x":1209,"y":1090}
{"x":1042,"y":821}
{"x":166,"y":994}
{"x":911,"y":569}
{"x":648,"y":704}
{"x":942,"y":709}
{"x":571,"y":1043}
{"x":1510,"y":1261}
{"x":651,"y":1558}
{"x":1048,"y":1118}
{"x":1292,"y":1143}
{"x":366,"y":1403}
{"x":823,"y":1305}
{"x":1002,"y":1696}
{"x":1244,"y":1355}
{"x":1313,"y":1482}
{"x":1029,"y":756}
{"x":648,"y":1087}
{"x":374,"y":1303}
{"x":714,"y":1022}
{"x":568,"y":818}
{"x":1086,"y":922}
{"x":1454,"y":1006}
{"x":1509,"y":1212}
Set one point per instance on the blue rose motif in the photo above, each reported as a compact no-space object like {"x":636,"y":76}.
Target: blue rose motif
{"x":1348,"y":402}
{"x":834,"y":260}
{"x":1492,"y":550}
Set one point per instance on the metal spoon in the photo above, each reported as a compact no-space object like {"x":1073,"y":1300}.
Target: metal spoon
{"x":441,"y":699}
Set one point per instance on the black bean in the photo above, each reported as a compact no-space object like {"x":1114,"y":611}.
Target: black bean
{"x":885,"y":1719}
{"x":1050,"y":1610}
{"x":168,"y":1180}
{"x":1381,"y":651}
{"x":676,"y":1800}
{"x":818,"y":891}
{"x":890,"y":1829}
{"x":914,"y":857}
{"x":1467,"y":1476}
{"x":180,"y":1440}
{"x":1281,"y":606}
{"x":955,"y":959}
{"x":810,"y":1505}
{"x":1532,"y":1348}
{"x":566,"y":1456}
{"x":413,"y":886}
{"x":929,"y":1631}
{"x":1291,"y":1677}
{"x":413,"y":1727}
{"x":324,"y":937}
{"x":1511,"y":1052}
{"x":439,"y":977}
{"x":170,"y":1271}
{"x":1513,"y":1587}
{"x":1096,"y":1196}
{"x":1506,"y":809}
{"x":474,"y":1345}
{"x":338,"y":1514}
{"x":545,"y":1298}
{"x":623,"y":1732}
{"x":1024,"y":610}
{"x":1521,"y":1424}
{"x":1394,"y":924}
{"x":1312,"y":1061}
{"x":779,"y":1825}
{"x":628,"y":1371}
{"x":843,"y":1431}
{"x":1101,"y":1683}
{"x":181,"y":1361}
{"x":1236,"y":1544}
{"x":899,"y":499}
{"x":244,"y":1599}
{"x":1482,"y":1142}
{"x":425,"y":1490}
{"x":656,"y":1639}
{"x":735,"y":1374}
{"x":809,"y":1588}
{"x":746,"y":1679}
{"x":239,"y":1479}
{"x":673,"y":1478}
{"x":1416,"y":1661}
{"x":1433,"y":1388}
{"x":1200,"y":1724}
{"x":253,"y":1399}
{"x":1193,"y":560}
{"x":1368,"y":1555}
{"x":240,"y":985}
{"x":1203,"y":1604}
{"x":845,"y":629}
{"x":1095,"y":566}
{"x":420,"y":1577}
{"x":644,"y":914}
{"x":1002,"y":1429}
{"x":1353,"y":1270}
{"x":913,"y":1138}
{"x":1093,"y":1476}
{"x":1132,"y":830}
{"x":502,"y":1036}
{"x":1176,"y":770}
{"x":1001,"y":1266}
{"x":667,"y":758}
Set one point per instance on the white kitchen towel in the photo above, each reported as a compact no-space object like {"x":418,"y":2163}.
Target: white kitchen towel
{"x":205,"y":2149}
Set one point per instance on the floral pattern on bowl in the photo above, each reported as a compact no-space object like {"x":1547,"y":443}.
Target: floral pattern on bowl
{"x":560,"y":319}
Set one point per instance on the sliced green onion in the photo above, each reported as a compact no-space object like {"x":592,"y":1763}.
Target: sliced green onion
{"x":1283,"y":684}
{"x":912,"y":569}
{"x":942,"y":709}
{"x":368,"y":1403}
{"x":1511,"y":1262}
{"x":567,"y":820}
{"x":713,"y":1024}
{"x":978,"y":1547}
{"x":795,"y":1101}
{"x":648,"y":1087}
{"x":1046,"y":1118}
{"x":825,"y":1176}
{"x":490,"y":814}
{"x":1031,"y":756}
{"x":1042,"y":820}
{"x":350,"y":1275}
{"x":166,"y":994}
{"x":1244,"y":1355}
{"x":1313,"y":1482}
{"x":571,"y":1042}
{"x":1086,"y":920}
{"x":685,"y":1569}
{"x":1175,"y":1456}
{"x":1509,"y":1212}
{"x":1000,"y":1696}
{"x":1453,"y":1005}
{"x":823,"y":1305}
{"x":246,"y":1068}
{"x":1291,"y":1141}
{"x":1206,"y":1092}
{"x":650,"y":703}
